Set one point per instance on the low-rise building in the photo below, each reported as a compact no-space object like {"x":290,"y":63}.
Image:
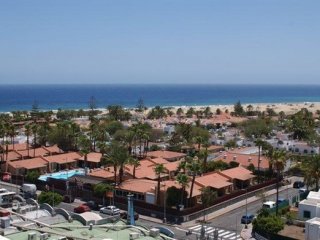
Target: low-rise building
{"x":310,"y":207}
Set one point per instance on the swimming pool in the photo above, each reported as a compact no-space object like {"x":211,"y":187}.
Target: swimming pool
{"x":62,"y":174}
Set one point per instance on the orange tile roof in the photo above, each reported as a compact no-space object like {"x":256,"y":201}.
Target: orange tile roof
{"x":168,"y":155}
{"x":237,"y":173}
{"x":213,"y":180}
{"x":145,"y":170}
{"x":172,"y":166}
{"x":138,"y":185}
{"x":92,"y":157}
{"x":158,"y":160}
{"x":38,"y":152}
{"x":63,"y":158}
{"x":245,"y":159}
{"x":53,"y":149}
{"x":12,"y":155}
{"x":171,"y":183}
{"x":32,"y":163}
{"x":105,"y":173}
{"x":18,"y":146}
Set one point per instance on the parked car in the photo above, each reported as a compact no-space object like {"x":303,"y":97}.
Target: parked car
{"x":298,"y":184}
{"x":281,"y":200}
{"x":93,"y":205}
{"x":268,"y":204}
{"x":124,"y":215}
{"x":110,"y":210}
{"x":247,"y":219}
{"x":81,"y":209}
{"x":303,"y":190}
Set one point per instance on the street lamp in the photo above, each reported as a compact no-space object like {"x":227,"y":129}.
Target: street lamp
{"x":246,"y":226}
{"x":164,"y":203}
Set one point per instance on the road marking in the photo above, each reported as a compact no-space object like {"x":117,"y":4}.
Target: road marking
{"x":210,"y":231}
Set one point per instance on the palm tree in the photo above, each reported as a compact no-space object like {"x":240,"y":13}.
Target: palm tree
{"x":84,"y":144}
{"x":183,"y":181}
{"x":260,"y":143}
{"x":159,"y":169}
{"x":203,"y":154}
{"x":27,"y":132}
{"x":118,"y":156}
{"x":12,"y":133}
{"x":278,"y":162}
{"x":311,"y":170}
{"x":135,"y":163}
{"x":34,"y":129}
{"x":198,"y":140}
{"x":194,"y":168}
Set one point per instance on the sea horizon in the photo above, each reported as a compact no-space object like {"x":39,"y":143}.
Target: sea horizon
{"x":20,"y":97}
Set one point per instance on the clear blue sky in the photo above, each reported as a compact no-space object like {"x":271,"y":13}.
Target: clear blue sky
{"x":163,"y":41}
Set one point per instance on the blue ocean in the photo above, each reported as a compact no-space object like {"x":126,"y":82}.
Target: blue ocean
{"x":22,"y":97}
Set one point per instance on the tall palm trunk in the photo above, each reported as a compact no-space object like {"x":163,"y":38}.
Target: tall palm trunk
{"x":191,"y":189}
{"x":115,"y":173}
{"x":158,"y":190}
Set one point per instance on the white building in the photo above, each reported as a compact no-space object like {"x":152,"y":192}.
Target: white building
{"x":310,"y":207}
{"x":312,"y":229}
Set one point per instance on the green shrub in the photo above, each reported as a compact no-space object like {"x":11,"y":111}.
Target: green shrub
{"x":268,"y":224}
{"x":52,"y":198}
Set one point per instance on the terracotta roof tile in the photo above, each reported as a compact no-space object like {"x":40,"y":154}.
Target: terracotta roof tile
{"x":139,"y":185}
{"x":106,"y":173}
{"x":168,"y":155}
{"x":32,"y":163}
{"x":63,"y":158}
{"x":92,"y":157}
{"x":213,"y":180}
{"x":38,"y":152}
{"x":238,"y":173}
{"x":244,"y":159}
{"x":53,"y":149}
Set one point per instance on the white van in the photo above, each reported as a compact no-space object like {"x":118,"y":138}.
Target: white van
{"x":269,"y":205}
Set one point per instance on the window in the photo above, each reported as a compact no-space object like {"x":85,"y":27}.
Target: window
{"x":306,"y":214}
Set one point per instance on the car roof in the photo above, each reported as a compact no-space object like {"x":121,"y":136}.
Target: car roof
{"x":269,"y":202}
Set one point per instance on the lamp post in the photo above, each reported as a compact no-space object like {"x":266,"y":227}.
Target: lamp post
{"x":164,"y":203}
{"x":246,"y":226}
{"x":17,"y":170}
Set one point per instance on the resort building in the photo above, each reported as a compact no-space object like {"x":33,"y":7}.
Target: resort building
{"x":167,"y":155}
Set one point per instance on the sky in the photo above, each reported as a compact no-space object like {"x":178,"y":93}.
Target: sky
{"x":163,"y":41}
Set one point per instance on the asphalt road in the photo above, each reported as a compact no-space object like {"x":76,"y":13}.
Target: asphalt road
{"x":231,"y":220}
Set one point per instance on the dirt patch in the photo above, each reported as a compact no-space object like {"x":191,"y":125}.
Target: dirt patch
{"x":293,"y":232}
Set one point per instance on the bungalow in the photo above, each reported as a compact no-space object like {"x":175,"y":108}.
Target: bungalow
{"x":63,"y":161}
{"x":53,"y":150}
{"x":144,"y":170}
{"x":33,"y":152}
{"x":108,"y":174}
{"x":172,"y":168}
{"x":167,"y":155}
{"x":93,"y":160}
{"x":23,"y":166}
{"x":10,"y":156}
{"x":18,"y":146}
{"x":245,"y":160}
{"x":239,"y":176}
{"x":143,"y":190}
{"x":310,"y":207}
{"x":216,"y":181}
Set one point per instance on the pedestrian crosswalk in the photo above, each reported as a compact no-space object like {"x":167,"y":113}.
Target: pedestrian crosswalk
{"x":215,"y":233}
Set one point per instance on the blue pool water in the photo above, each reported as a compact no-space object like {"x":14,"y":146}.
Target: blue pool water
{"x":62,"y":175}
